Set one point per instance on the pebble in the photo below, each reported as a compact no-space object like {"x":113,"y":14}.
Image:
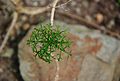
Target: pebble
{"x":99,"y":18}
{"x":26,"y":26}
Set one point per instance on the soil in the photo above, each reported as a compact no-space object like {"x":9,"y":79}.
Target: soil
{"x":7,"y":70}
{"x":104,"y":13}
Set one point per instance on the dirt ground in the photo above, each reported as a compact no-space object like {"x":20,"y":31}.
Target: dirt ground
{"x":92,"y":13}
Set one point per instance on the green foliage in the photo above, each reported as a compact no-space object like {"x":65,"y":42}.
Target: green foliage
{"x":45,"y":40}
{"x":118,"y":1}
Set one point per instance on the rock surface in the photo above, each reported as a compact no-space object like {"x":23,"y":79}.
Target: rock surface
{"x":94,"y":57}
{"x":95,"y":70}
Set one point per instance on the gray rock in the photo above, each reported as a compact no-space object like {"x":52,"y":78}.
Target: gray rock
{"x":102,"y":52}
{"x":110,"y":50}
{"x":110,"y":47}
{"x":95,"y":70}
{"x":7,"y":53}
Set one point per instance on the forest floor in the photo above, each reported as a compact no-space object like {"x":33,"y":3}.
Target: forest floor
{"x":102,"y":15}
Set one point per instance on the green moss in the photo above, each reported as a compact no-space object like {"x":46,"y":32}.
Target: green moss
{"x":45,"y":40}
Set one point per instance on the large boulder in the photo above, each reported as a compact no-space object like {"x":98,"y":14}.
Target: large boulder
{"x":94,"y":57}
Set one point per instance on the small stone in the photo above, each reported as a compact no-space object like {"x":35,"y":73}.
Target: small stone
{"x":24,"y":18}
{"x":35,"y":3}
{"x":99,"y":18}
{"x":111,"y":24}
{"x":73,"y":3}
{"x":78,"y":10}
{"x":13,"y":33}
{"x":7,"y":53}
{"x":42,"y":2}
{"x":88,"y":18}
{"x":26,"y":26}
{"x":85,"y":3}
{"x":1,"y":70}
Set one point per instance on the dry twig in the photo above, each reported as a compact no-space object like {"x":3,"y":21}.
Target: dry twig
{"x":90,"y":24}
{"x":57,"y":71}
{"x":32,"y":11}
{"x":53,"y":11}
{"x":15,"y":16}
{"x":37,"y":10}
{"x":63,"y":4}
{"x":52,"y":21}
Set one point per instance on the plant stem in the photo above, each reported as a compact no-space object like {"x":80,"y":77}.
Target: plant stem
{"x":53,"y":11}
{"x":57,"y":71}
{"x":51,"y":21}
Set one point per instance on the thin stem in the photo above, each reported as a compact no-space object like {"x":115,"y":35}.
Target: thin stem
{"x":32,"y":11}
{"x":57,"y":71}
{"x":63,"y":4}
{"x":53,"y":11}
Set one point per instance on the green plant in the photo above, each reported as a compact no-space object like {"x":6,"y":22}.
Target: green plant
{"x":48,"y":42}
{"x":46,"y":39}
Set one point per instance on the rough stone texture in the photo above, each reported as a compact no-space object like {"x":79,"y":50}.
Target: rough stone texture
{"x":110,"y":49}
{"x":94,"y":57}
{"x":94,"y":70}
{"x":117,"y":71}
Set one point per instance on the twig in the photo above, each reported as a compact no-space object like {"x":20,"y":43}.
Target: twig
{"x":63,"y":4}
{"x":90,"y":24}
{"x":53,"y":11}
{"x":32,"y":11}
{"x":15,"y":16}
{"x":37,"y":10}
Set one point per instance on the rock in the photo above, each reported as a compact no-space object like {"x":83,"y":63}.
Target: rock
{"x":110,"y":49}
{"x":99,"y":18}
{"x":95,"y":70}
{"x":117,"y":71}
{"x":8,"y":52}
{"x":92,"y":53}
